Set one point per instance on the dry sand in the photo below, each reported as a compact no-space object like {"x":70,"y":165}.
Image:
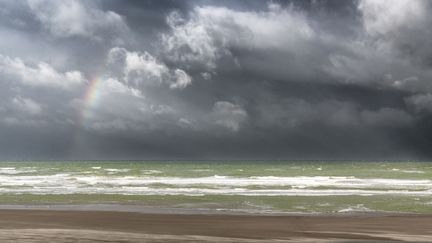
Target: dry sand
{"x":102,"y":226}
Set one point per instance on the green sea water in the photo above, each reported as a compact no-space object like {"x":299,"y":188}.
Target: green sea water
{"x":224,"y":186}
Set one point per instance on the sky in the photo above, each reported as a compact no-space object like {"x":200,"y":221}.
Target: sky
{"x":203,"y":79}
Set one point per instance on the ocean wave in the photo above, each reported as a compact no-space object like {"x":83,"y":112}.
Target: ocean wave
{"x":214,"y":185}
{"x":15,"y":171}
{"x":150,"y":172}
{"x":355,"y":209}
{"x":297,"y":182}
{"x":414,"y":171}
{"x":116,"y":170}
{"x":202,"y":170}
{"x":65,"y":189}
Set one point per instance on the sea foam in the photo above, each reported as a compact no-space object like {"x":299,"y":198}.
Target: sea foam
{"x":69,"y":183}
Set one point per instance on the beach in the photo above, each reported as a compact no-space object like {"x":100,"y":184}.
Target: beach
{"x":215,"y":121}
{"x":110,"y":226}
{"x":223,"y":201}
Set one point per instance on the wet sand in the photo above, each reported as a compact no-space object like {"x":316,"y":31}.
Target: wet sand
{"x":105,"y":226}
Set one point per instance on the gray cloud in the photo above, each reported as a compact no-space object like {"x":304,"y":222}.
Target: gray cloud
{"x":78,"y":18}
{"x":215,"y":79}
{"x":228,"y":115}
{"x":420,"y":102}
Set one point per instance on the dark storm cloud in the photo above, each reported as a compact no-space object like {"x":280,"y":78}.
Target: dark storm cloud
{"x":215,"y":79}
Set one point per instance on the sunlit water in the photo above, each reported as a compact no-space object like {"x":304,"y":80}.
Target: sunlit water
{"x":257,"y":187}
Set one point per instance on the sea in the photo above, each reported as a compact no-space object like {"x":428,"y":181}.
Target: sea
{"x":256,"y":187}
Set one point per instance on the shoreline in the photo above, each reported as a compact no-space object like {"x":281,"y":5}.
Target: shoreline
{"x":61,"y":225}
{"x":138,"y":208}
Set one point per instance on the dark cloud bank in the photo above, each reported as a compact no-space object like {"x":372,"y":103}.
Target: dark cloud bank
{"x":215,"y":79}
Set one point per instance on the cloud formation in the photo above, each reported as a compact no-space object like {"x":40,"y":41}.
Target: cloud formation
{"x":77,"y":18}
{"x":215,"y":79}
{"x":41,"y":74}
{"x":228,"y":115}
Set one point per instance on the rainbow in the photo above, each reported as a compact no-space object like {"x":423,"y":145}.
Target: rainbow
{"x":91,"y":98}
{"x":89,"y":101}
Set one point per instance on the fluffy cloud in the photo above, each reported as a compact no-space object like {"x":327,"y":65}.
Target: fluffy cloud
{"x":41,"y":74}
{"x":211,"y":32}
{"x":182,"y":80}
{"x":142,"y":69}
{"x":231,"y":79}
{"x":138,"y":68}
{"x":190,"y":42}
{"x":77,"y":18}
{"x":388,"y":51}
{"x":276,"y":43}
{"x":382,"y":18}
{"x":398,"y":24}
{"x":113,"y":86}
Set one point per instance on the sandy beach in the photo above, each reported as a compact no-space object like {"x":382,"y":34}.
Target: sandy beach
{"x":105,"y":226}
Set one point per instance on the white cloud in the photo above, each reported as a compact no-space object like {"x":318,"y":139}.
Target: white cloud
{"x":64,"y":18}
{"x":275,"y":28}
{"x":144,"y":65}
{"x":142,"y":69}
{"x":389,"y":50}
{"x":182,"y":79}
{"x":111,"y":86}
{"x":138,"y":68}
{"x":211,"y":31}
{"x":382,"y":17}
{"x":190,"y":42}
{"x":285,"y":39}
{"x":41,"y":74}
{"x":228,"y":115}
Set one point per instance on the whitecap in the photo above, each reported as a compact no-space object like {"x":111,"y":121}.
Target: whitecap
{"x":356,"y":208}
{"x":149,"y":172}
{"x":414,"y":171}
{"x":117,"y":170}
{"x":202,"y":170}
{"x":64,"y":183}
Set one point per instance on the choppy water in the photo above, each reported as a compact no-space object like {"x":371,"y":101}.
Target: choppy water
{"x":259,"y":187}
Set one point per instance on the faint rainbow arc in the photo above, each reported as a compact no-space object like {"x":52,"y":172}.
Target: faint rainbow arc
{"x":90,"y":98}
